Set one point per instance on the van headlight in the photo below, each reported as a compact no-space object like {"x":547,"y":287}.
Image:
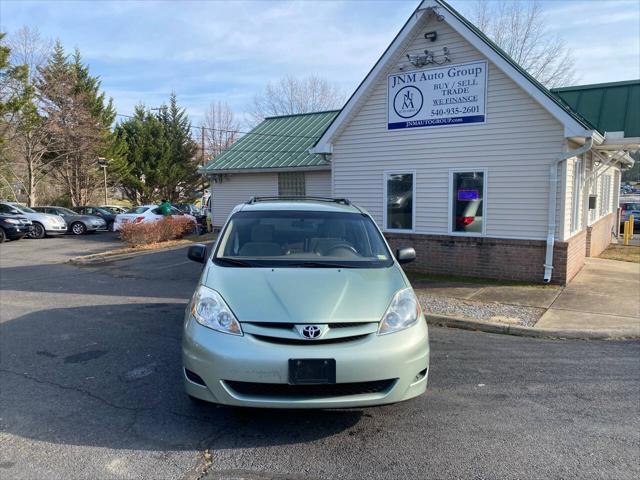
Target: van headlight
{"x":211,"y":311}
{"x":403,"y":312}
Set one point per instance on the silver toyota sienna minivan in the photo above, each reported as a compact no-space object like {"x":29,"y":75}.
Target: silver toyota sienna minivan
{"x":301,"y":304}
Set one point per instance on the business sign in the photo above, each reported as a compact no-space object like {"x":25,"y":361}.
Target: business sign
{"x":451,"y":95}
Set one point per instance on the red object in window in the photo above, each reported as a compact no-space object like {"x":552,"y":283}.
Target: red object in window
{"x":138,"y":219}
{"x":464,"y":221}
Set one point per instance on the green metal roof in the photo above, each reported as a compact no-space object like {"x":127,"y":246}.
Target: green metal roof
{"x":277,"y":143}
{"x":609,"y":107}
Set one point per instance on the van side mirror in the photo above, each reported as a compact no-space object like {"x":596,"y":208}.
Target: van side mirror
{"x":197,"y":253}
{"x":405,"y":255}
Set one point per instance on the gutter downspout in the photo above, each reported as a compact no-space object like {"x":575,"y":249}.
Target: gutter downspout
{"x":553,"y":193}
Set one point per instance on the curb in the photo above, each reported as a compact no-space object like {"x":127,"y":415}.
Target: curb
{"x":99,"y":259}
{"x":518,"y":330}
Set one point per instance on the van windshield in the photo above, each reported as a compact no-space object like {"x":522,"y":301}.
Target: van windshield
{"x":302,"y":239}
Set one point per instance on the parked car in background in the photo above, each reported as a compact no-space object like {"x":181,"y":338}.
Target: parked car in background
{"x":188,"y":208}
{"x":191,"y":209}
{"x":76,"y":223}
{"x":43,"y":223}
{"x":13,"y":227}
{"x":630,"y":205}
{"x":147,"y":214}
{"x":108,"y":216}
{"x":115,"y":208}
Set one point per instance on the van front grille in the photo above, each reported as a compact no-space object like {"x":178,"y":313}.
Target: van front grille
{"x":310,"y":391}
{"x":301,"y":341}
{"x":289,"y":334}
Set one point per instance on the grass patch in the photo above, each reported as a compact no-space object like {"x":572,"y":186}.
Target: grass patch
{"x":623,"y":253}
{"x":427,"y":277}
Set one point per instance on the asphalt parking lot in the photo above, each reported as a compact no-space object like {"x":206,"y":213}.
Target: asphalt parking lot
{"x":90,"y":387}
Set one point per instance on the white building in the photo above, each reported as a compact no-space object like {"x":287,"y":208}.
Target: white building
{"x":455,"y":150}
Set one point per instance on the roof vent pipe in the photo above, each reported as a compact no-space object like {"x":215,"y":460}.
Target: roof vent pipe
{"x":553,"y":193}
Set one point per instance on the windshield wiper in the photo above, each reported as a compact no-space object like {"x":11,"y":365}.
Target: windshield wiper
{"x":233,"y":261}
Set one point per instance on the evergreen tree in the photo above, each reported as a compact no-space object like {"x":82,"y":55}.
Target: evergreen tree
{"x":161,"y":155}
{"x":80,"y":119}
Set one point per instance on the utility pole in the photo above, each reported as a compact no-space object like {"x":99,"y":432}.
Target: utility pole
{"x":202,"y":144}
{"x":103,"y":163}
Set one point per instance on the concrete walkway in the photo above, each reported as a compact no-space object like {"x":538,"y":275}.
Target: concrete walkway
{"x":605,"y":295}
{"x":602,"y":301}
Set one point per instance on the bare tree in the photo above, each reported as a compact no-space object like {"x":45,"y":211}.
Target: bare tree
{"x":30,"y":139}
{"x":519,"y":28}
{"x":30,"y":48}
{"x":291,"y":95}
{"x":221,"y":128}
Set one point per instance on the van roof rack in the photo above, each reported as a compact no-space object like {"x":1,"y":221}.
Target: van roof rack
{"x":343,"y":201}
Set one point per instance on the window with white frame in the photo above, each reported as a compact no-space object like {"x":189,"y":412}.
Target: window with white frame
{"x":399,"y":200}
{"x":467,"y":209}
{"x":576,"y":212}
{"x":291,"y":184}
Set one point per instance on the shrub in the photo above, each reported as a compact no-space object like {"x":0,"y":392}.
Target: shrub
{"x":169,"y":228}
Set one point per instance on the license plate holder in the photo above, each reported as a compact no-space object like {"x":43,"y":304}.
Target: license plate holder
{"x":312,"y":371}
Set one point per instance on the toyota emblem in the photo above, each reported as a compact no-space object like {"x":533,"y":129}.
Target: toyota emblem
{"x":311,"y":331}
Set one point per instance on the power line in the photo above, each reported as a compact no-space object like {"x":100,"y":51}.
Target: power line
{"x":311,"y":137}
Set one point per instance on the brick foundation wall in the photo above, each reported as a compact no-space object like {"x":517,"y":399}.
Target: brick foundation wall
{"x":599,"y":235}
{"x":575,"y":254}
{"x":503,"y":259}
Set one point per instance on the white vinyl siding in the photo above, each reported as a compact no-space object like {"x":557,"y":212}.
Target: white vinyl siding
{"x":516,"y":145}
{"x":238,"y":188}
{"x":318,"y":184}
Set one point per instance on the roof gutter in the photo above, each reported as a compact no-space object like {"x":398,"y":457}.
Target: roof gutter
{"x":311,"y":168}
{"x":553,"y":193}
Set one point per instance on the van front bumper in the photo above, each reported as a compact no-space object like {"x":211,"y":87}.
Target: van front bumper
{"x":373,"y":370}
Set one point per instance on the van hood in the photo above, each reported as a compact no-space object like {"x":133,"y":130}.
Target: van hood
{"x":306,"y":295}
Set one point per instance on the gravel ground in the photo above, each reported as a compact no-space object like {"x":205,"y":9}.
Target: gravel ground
{"x":488,"y":312}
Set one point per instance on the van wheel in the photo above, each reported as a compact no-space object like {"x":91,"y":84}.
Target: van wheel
{"x":78,"y":228}
{"x":38,"y":231}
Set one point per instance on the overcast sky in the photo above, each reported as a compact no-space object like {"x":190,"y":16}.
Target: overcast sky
{"x":210,"y":50}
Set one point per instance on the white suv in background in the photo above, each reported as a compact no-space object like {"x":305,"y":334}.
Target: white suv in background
{"x":44,"y":224}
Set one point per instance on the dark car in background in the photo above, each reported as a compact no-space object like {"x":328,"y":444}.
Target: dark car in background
{"x":14,"y":227}
{"x":191,"y":209}
{"x":76,"y":223}
{"x":103,"y":213}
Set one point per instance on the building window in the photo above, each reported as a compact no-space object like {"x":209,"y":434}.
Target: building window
{"x":399,"y":200}
{"x":291,"y":184}
{"x":467,"y":202}
{"x":576,"y":217}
